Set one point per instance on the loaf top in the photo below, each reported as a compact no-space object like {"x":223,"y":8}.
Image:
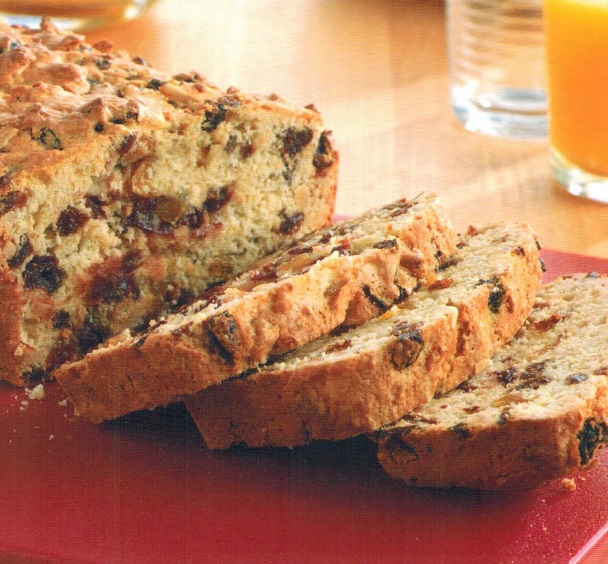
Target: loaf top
{"x":58,"y":93}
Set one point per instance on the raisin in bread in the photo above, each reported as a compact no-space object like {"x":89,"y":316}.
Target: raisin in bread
{"x":538,"y":411}
{"x":339,"y":275}
{"x":340,"y":386}
{"x":125,"y":192}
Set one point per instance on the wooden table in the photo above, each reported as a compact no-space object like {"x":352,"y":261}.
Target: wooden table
{"x":376,"y":69}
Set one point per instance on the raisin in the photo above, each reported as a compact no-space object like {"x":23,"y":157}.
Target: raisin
{"x":95,"y":204}
{"x":466,"y":387}
{"x":64,"y":351}
{"x":113,"y":280}
{"x":61,"y":319}
{"x":374,"y":300}
{"x":91,"y":334}
{"x":70,"y":221}
{"x":24,"y":250}
{"x":461,"y":430}
{"x":49,"y":139}
{"x":342,"y":250}
{"x":192,"y":219}
{"x":217,"y":198}
{"x":504,"y":376}
{"x":266,"y":272}
{"x":576,"y":378}
{"x":12,"y":200}
{"x":532,"y":377}
{"x":213,"y":116}
{"x":6,"y":181}
{"x":300,"y":249}
{"x":386,"y":244}
{"x":155,"y":84}
{"x":593,"y":434}
{"x":126,"y":144}
{"x":497,"y":293}
{"x":224,"y":336}
{"x":293,"y":141}
{"x":161,"y":214}
{"x":99,"y":127}
{"x":408,"y":346}
{"x":447,"y":263}
{"x":547,"y":323}
{"x":290,"y":223}
{"x":324,"y":157}
{"x":339,"y":346}
{"x":43,"y":272}
{"x":103,"y":63}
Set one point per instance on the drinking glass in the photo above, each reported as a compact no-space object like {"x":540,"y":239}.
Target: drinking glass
{"x":497,"y":66}
{"x":577,"y":63}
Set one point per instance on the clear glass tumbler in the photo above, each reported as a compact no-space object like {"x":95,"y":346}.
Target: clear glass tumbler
{"x":497,"y":66}
{"x":71,"y":14}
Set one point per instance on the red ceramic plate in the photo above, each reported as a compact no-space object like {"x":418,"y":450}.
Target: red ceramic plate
{"x":145,"y":489}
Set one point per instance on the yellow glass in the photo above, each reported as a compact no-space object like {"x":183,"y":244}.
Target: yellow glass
{"x":577,"y":61}
{"x":71,"y":14}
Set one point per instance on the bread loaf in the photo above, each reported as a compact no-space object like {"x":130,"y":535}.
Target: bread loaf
{"x":340,"y":275}
{"x":340,"y":386}
{"x":125,"y":193}
{"x":538,"y":411}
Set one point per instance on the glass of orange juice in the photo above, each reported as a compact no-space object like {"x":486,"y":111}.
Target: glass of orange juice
{"x":576,"y":34}
{"x":71,"y":14}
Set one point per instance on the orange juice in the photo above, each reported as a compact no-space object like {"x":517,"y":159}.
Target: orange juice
{"x":577,"y":59}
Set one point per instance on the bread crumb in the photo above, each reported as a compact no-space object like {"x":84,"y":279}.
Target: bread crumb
{"x":35,"y":393}
{"x":568,"y":485}
{"x":63,"y":402}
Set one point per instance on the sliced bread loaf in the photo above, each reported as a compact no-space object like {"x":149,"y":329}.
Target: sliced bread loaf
{"x":343,"y":385}
{"x":125,"y":193}
{"x":538,"y":411}
{"x":344,"y":274}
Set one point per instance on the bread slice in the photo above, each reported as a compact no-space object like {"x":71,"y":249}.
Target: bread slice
{"x":340,"y":386}
{"x":343,"y":274}
{"x":538,"y":411}
{"x":125,"y":193}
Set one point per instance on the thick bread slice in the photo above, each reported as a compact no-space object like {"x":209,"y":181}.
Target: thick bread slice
{"x":340,"y":386}
{"x":538,"y":411}
{"x":343,"y":274}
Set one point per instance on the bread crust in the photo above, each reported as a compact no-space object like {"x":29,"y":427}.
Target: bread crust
{"x":286,"y":300}
{"x":538,"y":412}
{"x":351,"y":384}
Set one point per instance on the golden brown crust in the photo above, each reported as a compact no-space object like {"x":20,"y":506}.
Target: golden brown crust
{"x":286,"y":300}
{"x":11,"y":300}
{"x":538,"y":412}
{"x":354,"y":383}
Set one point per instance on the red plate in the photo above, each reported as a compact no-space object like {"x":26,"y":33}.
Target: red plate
{"x":145,"y":489}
